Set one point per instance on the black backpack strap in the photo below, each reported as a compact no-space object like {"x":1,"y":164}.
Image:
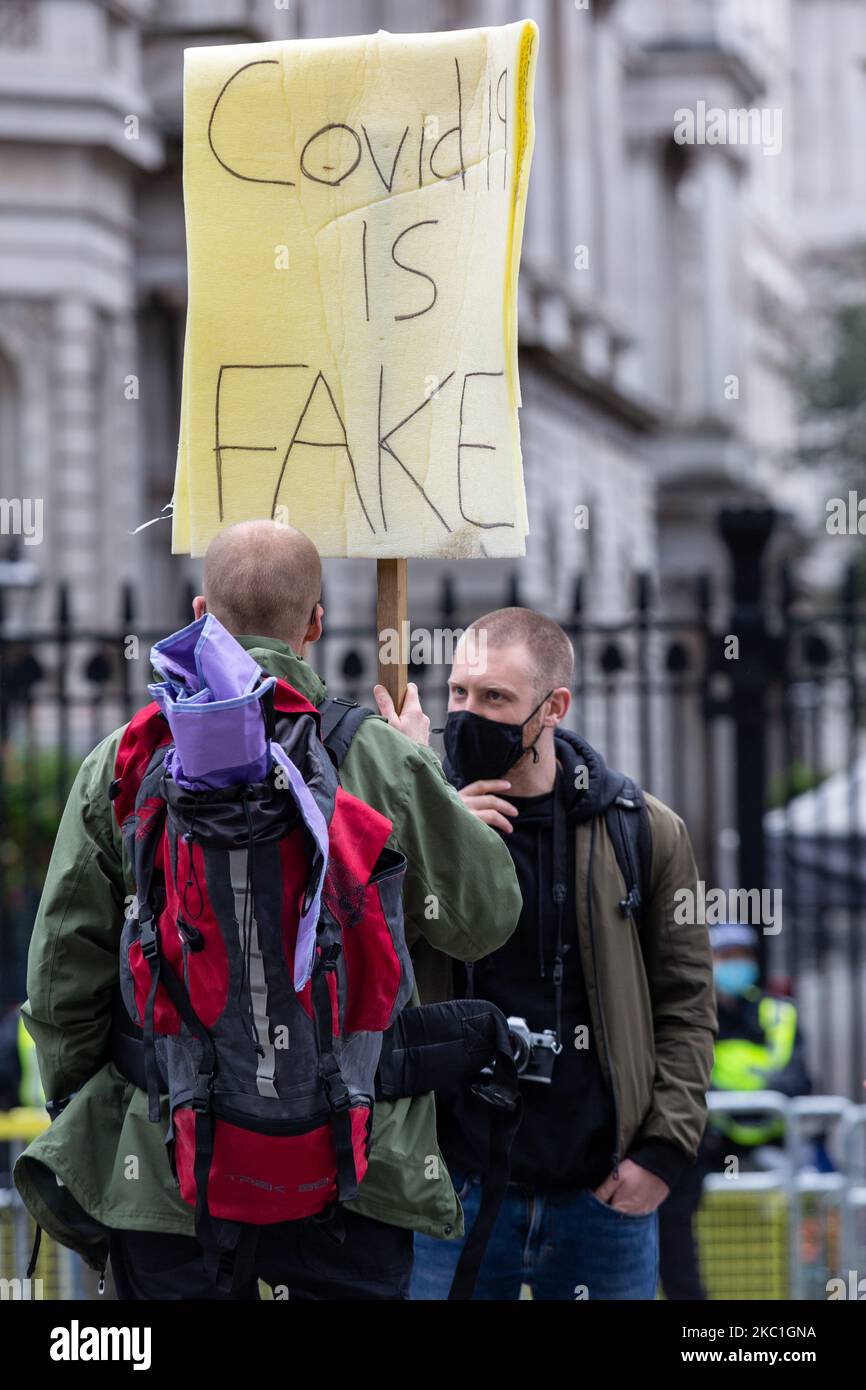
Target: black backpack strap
{"x":144,"y":863}
{"x":504,"y":1124}
{"x":341,"y":720}
{"x":461,"y":1047}
{"x":502,"y":1093}
{"x":127,"y":1046}
{"x":627,"y":821}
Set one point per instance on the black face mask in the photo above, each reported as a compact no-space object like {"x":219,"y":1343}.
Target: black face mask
{"x":484,"y":749}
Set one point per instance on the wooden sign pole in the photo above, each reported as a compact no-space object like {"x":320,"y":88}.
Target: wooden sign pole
{"x":392,"y":611}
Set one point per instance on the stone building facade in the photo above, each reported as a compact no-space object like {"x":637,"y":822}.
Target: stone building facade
{"x":663,"y":295}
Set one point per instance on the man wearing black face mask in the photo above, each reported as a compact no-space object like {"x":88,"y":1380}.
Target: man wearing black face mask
{"x":617,"y":997}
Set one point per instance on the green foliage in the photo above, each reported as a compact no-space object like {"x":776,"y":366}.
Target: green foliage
{"x":842,"y":385}
{"x":831,"y":380}
{"x":32,"y":806}
{"x":798,"y":778}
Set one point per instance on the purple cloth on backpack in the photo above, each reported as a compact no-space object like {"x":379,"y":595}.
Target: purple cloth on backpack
{"x":211,"y":697}
{"x":305,"y":943}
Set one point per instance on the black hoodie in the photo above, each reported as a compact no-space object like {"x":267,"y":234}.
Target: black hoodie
{"x":567,"y":1135}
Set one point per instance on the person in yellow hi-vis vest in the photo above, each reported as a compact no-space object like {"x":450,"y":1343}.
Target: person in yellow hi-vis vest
{"x":20,"y":1084}
{"x":759,"y":1048}
{"x":30,"y":1090}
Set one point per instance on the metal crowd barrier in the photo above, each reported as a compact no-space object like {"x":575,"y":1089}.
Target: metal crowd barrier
{"x":60,"y":1274}
{"x":786,"y":1232}
{"x":774,"y":1234}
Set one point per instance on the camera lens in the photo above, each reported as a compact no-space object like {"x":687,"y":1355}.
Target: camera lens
{"x":520,"y":1050}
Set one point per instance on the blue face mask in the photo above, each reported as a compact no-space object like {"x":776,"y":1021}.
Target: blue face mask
{"x":735,"y":976}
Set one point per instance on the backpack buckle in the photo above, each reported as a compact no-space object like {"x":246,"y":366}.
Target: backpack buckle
{"x":147,"y":939}
{"x":338,"y":1095}
{"x":329,"y":957}
{"x":202,"y":1095}
{"x":338,"y":1091}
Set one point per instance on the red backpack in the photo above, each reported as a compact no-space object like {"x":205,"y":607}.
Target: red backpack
{"x":271,"y":1090}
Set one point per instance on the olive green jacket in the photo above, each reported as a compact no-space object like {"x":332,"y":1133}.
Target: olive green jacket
{"x":651,"y":995}
{"x":102,"y":1164}
{"x":652,"y":1003}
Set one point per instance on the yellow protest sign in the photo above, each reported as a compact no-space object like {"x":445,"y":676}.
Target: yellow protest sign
{"x":354,"y":214}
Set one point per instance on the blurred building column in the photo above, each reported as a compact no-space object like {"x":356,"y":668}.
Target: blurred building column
{"x":76,"y":131}
{"x":650,"y":286}
{"x":73,"y":508}
{"x":716,"y":177}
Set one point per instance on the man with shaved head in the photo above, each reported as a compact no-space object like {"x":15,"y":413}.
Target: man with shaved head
{"x":613,"y":996}
{"x":260,"y":576}
{"x":100,"y":1177}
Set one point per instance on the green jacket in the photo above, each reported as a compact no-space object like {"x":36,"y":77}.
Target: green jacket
{"x":102,"y":1163}
{"x":651,"y":998}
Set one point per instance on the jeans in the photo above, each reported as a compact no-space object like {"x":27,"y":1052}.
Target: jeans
{"x":296,"y":1258}
{"x":564,"y":1245}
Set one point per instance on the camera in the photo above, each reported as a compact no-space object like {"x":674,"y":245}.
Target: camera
{"x":534,"y":1053}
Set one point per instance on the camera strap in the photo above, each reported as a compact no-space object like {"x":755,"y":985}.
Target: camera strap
{"x":560,"y":897}
{"x":560,"y":890}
